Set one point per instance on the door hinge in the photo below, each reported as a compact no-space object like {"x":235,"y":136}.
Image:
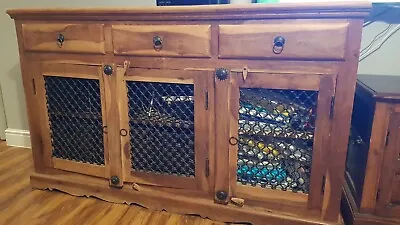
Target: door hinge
{"x":378,"y":192}
{"x":207,"y":167}
{"x":206,"y":100}
{"x":332,"y":107}
{"x":387,"y":138}
{"x":34,"y":86}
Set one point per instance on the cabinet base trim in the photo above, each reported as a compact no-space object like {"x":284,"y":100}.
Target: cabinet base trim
{"x":18,"y":138}
{"x":80,"y":185}
{"x":352,"y":216}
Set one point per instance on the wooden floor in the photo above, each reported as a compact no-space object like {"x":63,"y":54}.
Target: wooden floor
{"x":20,"y":205}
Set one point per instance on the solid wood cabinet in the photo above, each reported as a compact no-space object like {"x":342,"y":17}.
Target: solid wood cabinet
{"x":236,"y":113}
{"x":371,"y":193}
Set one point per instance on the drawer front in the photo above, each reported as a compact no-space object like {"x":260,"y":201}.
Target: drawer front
{"x":73,"y":38}
{"x":309,"y":41}
{"x":162,"y":40}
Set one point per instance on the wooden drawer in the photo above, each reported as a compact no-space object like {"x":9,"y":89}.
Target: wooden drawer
{"x":309,"y":41}
{"x":176,"y":40}
{"x":78,"y":38}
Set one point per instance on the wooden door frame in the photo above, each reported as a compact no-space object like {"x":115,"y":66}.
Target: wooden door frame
{"x":306,"y":203}
{"x":200,"y":80}
{"x":384,"y":206}
{"x":72,"y":71}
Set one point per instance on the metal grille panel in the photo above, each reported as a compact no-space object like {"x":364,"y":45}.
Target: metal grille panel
{"x":276,"y":131}
{"x":162,"y":128}
{"x":74,"y":110}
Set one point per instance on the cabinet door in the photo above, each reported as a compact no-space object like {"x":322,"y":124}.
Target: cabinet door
{"x":275,"y":135}
{"x":388,"y":200}
{"x":164,"y":128}
{"x":73,"y":122}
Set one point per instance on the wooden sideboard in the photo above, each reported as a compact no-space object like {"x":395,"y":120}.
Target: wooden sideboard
{"x":372,"y":188}
{"x":236,"y":113}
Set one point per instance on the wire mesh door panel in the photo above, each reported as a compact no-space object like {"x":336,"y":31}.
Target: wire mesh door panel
{"x":163,"y":138}
{"x":276,"y":131}
{"x":273,"y":135}
{"x":74,"y":122}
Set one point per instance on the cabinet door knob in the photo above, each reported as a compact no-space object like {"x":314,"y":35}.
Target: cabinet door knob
{"x":157,"y":42}
{"x":115,"y":180}
{"x":221,"y":195}
{"x":221,"y":73}
{"x":60,"y":40}
{"x":279,"y":43}
{"x":108,"y":70}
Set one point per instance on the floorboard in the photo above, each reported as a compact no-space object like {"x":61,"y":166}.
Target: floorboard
{"x":20,"y":205}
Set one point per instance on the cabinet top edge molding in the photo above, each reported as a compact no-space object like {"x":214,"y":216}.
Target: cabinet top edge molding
{"x":345,"y":9}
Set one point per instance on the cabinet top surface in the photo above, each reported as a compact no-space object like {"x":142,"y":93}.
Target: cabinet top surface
{"x":352,"y":9}
{"x":381,"y":87}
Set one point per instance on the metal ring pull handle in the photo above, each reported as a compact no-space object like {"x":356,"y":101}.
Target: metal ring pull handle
{"x":157,"y":43}
{"x":233,"y":141}
{"x":60,"y":40}
{"x":123,"y":132}
{"x":279,"y":43}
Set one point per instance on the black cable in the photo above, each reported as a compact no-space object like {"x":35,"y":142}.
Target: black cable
{"x":383,"y":42}
{"x":375,"y":39}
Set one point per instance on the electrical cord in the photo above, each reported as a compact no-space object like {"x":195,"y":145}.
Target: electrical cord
{"x":376,"y":38}
{"x":382,"y":42}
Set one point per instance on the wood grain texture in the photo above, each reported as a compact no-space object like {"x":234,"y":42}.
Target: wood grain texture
{"x":352,"y":215}
{"x":81,"y":38}
{"x":388,"y":203}
{"x":47,"y":207}
{"x":354,"y":9}
{"x":306,"y":41}
{"x":45,"y":138}
{"x":111,"y":88}
{"x":78,"y":167}
{"x":201,"y":142}
{"x":177,"y":40}
{"x":81,"y":186}
{"x":30,"y":77}
{"x":344,"y":95}
{"x":295,"y":81}
{"x":321,"y":142}
{"x":234,"y":106}
{"x":68,"y":70}
{"x":162,"y":180}
{"x":222,"y":132}
{"x":174,"y":63}
{"x":191,"y":39}
{"x":160,"y":75}
{"x":375,"y":157}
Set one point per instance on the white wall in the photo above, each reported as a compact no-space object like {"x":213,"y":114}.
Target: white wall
{"x":10,"y":75}
{"x":385,"y":61}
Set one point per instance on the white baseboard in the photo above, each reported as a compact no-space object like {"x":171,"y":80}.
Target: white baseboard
{"x":18,"y":138}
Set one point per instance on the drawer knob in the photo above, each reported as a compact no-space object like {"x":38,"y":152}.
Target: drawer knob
{"x":279,"y":43}
{"x":157,"y":42}
{"x":60,"y":40}
{"x":108,"y":70}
